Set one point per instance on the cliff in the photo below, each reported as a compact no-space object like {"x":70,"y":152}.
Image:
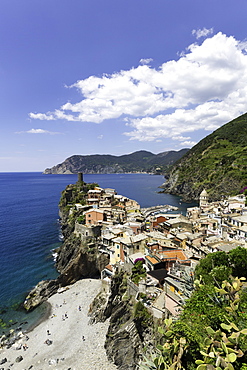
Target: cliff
{"x":141,"y":161}
{"x":76,"y":259}
{"x":131,"y":330}
{"x":217,"y":163}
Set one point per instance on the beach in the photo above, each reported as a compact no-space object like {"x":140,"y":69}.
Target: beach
{"x":64,"y":340}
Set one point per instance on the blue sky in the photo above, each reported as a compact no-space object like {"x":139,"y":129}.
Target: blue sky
{"x":116,"y":76}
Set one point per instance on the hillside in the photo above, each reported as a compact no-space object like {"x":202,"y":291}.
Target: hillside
{"x":217,"y":163}
{"x":141,"y":161}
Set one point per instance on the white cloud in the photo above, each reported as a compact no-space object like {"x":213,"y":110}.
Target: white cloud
{"x":146,"y":61}
{"x":202,"y":32}
{"x":180,"y":138}
{"x":42,"y":116}
{"x":187,"y":144}
{"x":38,"y":131}
{"x":204,"y":88}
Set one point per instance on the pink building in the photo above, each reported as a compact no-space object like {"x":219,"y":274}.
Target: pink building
{"x":94,"y":216}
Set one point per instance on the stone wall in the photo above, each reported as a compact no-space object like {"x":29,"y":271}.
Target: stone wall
{"x":132,"y":288}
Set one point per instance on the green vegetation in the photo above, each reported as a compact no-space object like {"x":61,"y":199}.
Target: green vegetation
{"x":72,"y":195}
{"x":81,"y":219}
{"x":210,"y":333}
{"x":75,"y":193}
{"x":219,"y":266}
{"x":217,"y":163}
{"x":138,"y":272}
{"x":141,"y":314}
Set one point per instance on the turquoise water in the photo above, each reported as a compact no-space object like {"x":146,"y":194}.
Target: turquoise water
{"x":30,"y":229}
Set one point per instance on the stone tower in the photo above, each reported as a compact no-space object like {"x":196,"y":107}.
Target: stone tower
{"x":80,"y":178}
{"x":203,"y":200}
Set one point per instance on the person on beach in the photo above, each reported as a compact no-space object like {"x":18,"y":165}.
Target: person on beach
{"x":48,"y":342}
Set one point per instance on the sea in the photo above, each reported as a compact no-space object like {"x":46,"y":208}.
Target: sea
{"x":29,"y":230}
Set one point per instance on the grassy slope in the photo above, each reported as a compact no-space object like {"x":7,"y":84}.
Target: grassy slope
{"x":217,"y":163}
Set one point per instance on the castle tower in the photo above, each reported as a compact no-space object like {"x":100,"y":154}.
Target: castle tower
{"x":203,"y":200}
{"x":80,"y":178}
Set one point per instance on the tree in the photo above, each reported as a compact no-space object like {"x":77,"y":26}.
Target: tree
{"x":208,"y":268}
{"x":238,"y":261}
{"x":138,"y":271}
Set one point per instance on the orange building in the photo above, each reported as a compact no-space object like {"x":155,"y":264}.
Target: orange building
{"x":94,"y":216}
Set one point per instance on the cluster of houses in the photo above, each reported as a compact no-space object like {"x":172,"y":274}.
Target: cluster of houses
{"x":169,"y":244}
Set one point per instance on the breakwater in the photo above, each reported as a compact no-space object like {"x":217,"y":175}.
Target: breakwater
{"x":162,"y":209}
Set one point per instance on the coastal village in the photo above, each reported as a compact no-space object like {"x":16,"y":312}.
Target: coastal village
{"x":156,"y":249}
{"x":168,"y":244}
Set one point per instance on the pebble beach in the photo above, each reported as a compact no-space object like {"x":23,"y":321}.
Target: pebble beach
{"x":64,"y":340}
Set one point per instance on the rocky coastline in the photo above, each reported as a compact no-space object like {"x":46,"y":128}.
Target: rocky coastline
{"x":65,"y":339}
{"x":128,"y":333}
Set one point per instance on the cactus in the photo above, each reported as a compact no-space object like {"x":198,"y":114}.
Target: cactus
{"x":169,"y":356}
{"x":221,"y":348}
{"x":218,"y":348}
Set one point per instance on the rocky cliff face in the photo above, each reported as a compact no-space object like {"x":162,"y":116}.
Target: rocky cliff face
{"x":129,"y":331}
{"x":76,"y":261}
{"x":184,"y":189}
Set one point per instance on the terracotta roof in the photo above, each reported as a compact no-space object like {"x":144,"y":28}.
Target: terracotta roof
{"x":153,"y":259}
{"x":109,"y":267}
{"x":174,"y":254}
{"x":120,"y":205}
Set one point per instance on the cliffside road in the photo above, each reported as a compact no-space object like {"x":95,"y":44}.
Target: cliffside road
{"x":65,"y":340}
